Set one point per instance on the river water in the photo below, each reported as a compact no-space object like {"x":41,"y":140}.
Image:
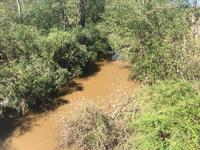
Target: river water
{"x":40,"y":131}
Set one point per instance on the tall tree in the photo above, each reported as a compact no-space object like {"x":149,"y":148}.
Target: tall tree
{"x":94,"y":9}
{"x":64,"y":14}
{"x":82,"y":11}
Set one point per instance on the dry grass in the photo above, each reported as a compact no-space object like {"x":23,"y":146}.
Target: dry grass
{"x":93,"y":129}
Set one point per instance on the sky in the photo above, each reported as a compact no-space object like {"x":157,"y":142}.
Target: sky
{"x":198,"y":2}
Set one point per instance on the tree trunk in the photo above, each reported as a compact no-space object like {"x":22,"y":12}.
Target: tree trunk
{"x":82,"y":12}
{"x":64,"y":14}
{"x":19,"y":10}
{"x":195,"y":3}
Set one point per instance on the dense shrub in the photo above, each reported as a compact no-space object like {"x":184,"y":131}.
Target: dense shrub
{"x":164,"y":116}
{"x":41,"y":49}
{"x":34,"y":12}
{"x":36,"y":65}
{"x":165,"y":46}
{"x":18,"y":41}
{"x":29,"y":84}
{"x":154,"y":36}
{"x":169,"y":117}
{"x":115,"y":25}
{"x":96,"y":42}
{"x":62,"y":48}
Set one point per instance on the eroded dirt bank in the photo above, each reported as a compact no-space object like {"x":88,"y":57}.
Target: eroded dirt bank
{"x":40,"y":131}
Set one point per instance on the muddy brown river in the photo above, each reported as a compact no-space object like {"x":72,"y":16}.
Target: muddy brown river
{"x":40,"y":131}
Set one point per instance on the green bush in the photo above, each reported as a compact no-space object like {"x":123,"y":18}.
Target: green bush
{"x":36,"y":66}
{"x":154,"y":36}
{"x":169,"y":117}
{"x":115,"y":24}
{"x":165,"y":116}
{"x":42,"y":14}
{"x":164,"y":47}
{"x":62,"y":48}
{"x":96,"y":43}
{"x":18,"y":41}
{"x":30,"y":84}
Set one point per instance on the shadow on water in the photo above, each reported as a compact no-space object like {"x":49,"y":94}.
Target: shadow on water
{"x":22,"y":124}
{"x":73,"y":87}
{"x":9,"y":125}
{"x":91,"y":69}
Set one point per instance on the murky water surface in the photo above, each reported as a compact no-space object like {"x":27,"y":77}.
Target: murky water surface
{"x":40,"y":131}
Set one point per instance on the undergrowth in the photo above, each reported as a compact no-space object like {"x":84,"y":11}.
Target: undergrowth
{"x":164,"y":116}
{"x":93,"y":129}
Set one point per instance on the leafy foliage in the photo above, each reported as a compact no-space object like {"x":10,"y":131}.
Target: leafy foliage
{"x":162,"y":116}
{"x":43,"y":48}
{"x":154,"y":36}
{"x":31,"y":73}
{"x":34,"y":65}
{"x":29,"y":84}
{"x":96,"y":42}
{"x":94,"y":9}
{"x":163,"y":43}
{"x":38,"y":57}
{"x":34,"y":12}
{"x":169,"y":118}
